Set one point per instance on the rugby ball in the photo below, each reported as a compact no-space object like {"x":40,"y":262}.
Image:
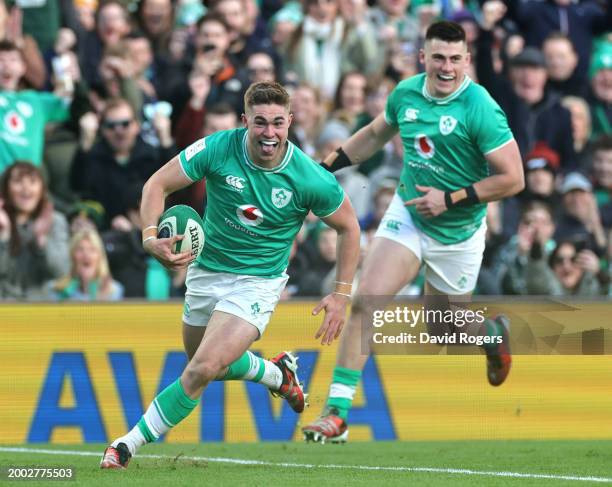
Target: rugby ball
{"x":182,"y":220}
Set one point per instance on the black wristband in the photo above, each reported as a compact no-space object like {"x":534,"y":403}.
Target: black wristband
{"x":471,"y":198}
{"x":340,"y":161}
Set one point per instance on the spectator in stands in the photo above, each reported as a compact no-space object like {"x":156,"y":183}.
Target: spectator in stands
{"x":213,"y":59}
{"x":601,"y":88}
{"x":35,"y":73}
{"x":260,"y":66}
{"x":534,"y":114}
{"x":117,"y":79}
{"x":156,"y":19}
{"x":308,"y":118}
{"x":602,"y":172}
{"x":89,"y":278}
{"x":322,"y":259}
{"x":579,"y":20}
{"x":562,"y":66}
{"x":85,"y":12}
{"x":33,"y":237}
{"x":284,"y":23}
{"x":541,"y":170}
{"x":581,"y":130}
{"x":144,"y":68}
{"x":395,"y":29}
{"x":349,"y":101}
{"x":570,"y":271}
{"x":403,"y":62}
{"x":245,"y":37}
{"x":533,"y":241}
{"x":219,"y":117}
{"x":112,"y":25}
{"x":101,"y":170}
{"x":580,"y":220}
{"x":325,"y":45}
{"x":24,"y":114}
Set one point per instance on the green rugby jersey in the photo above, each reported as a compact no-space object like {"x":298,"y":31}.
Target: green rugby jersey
{"x":23,"y":115}
{"x":253,"y":214}
{"x":445,"y":141}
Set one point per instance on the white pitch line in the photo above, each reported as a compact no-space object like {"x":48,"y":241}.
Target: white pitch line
{"x":240,"y":461}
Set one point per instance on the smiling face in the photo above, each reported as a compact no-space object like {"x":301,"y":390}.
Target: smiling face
{"x":25,"y":190}
{"x":113,"y":23}
{"x":529,"y":82}
{"x":12,"y":69}
{"x":445,"y":65}
{"x":268,"y":129}
{"x":86,"y":260}
{"x":565,"y":267}
{"x":120,"y":129}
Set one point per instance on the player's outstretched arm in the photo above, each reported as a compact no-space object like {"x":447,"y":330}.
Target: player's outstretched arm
{"x":345,"y":223}
{"x":362,"y":145}
{"x":168,"y":179}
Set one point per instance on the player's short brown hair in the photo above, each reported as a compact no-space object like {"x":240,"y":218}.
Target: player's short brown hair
{"x":266,"y":93}
{"x":446,"y":31}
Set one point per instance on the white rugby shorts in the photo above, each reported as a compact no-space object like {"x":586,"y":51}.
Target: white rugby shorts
{"x":451,"y":269}
{"x":251,"y":298}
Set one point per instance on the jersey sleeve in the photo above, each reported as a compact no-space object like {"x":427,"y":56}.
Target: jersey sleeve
{"x":198,"y":160}
{"x":488,"y":124}
{"x":326,"y":195}
{"x":391,"y":108}
{"x":55,"y":109}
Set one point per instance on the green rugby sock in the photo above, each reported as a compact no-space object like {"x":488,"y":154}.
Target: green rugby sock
{"x":342,"y":390}
{"x":255,"y":369}
{"x":168,"y":409}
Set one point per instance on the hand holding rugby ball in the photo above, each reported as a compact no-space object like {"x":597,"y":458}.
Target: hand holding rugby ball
{"x":182,"y":220}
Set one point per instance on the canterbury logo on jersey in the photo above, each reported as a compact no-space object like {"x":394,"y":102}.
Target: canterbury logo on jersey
{"x":235,"y":183}
{"x":411,"y":114}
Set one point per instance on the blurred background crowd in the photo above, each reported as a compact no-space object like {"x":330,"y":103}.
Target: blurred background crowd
{"x":96,"y":95}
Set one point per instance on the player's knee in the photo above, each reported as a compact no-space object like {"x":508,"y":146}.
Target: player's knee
{"x":201,"y":372}
{"x":359,"y":305}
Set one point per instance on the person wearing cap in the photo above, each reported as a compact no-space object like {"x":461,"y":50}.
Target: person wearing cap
{"x":580,"y":219}
{"x":541,"y":169}
{"x":534,"y":114}
{"x":601,"y":89}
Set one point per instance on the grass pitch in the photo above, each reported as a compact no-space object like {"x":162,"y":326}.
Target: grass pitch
{"x":474,"y":463}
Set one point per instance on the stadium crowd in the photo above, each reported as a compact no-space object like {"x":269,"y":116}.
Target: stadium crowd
{"x":96,"y":96}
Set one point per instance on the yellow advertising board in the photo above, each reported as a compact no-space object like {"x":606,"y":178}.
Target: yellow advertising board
{"x":85,"y":373}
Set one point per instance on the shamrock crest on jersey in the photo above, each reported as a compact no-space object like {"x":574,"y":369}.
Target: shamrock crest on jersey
{"x":447,"y":124}
{"x":281,"y":197}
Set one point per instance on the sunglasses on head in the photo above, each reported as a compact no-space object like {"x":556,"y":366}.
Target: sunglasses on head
{"x":113,"y":124}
